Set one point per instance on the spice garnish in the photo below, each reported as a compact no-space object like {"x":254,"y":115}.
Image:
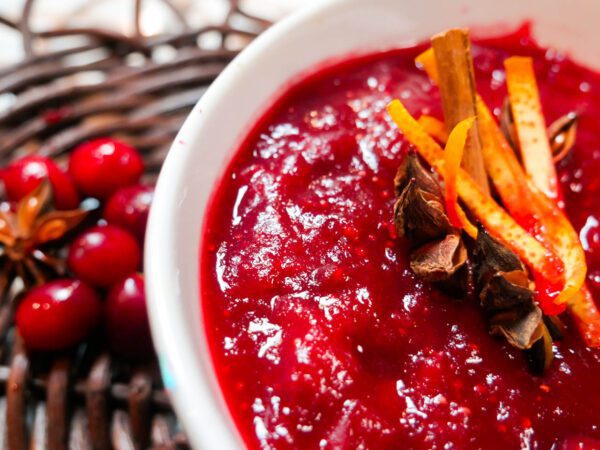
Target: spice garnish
{"x":530,"y":208}
{"x":439,"y":260}
{"x":25,"y":233}
{"x":528,"y":224}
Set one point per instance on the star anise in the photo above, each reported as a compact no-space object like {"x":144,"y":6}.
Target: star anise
{"x":438,"y":252}
{"x":27,"y":234}
{"x":440,"y":255}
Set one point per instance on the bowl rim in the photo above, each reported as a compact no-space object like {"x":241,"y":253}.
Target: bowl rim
{"x":161,"y":267}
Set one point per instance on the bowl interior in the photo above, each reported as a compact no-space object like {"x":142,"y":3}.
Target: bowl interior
{"x":331,"y":29}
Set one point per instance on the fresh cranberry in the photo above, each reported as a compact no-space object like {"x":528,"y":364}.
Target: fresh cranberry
{"x":102,"y":256}
{"x":25,"y":174}
{"x":102,"y":166}
{"x":129,"y":207}
{"x":127,"y":319}
{"x":58,"y":315}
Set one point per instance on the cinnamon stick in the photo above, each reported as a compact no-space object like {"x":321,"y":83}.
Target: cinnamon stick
{"x":452,"y":51}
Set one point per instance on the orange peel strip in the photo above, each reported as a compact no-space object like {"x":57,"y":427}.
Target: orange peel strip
{"x":539,"y":164}
{"x":453,"y":154}
{"x":496,"y":220}
{"x":434,"y":127}
{"x":530,"y":124}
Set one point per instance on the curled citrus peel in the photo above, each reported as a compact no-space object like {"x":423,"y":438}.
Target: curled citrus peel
{"x":453,"y":154}
{"x":539,"y":215}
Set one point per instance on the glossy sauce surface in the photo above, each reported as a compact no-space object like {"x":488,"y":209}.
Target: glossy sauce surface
{"x":321,"y":335}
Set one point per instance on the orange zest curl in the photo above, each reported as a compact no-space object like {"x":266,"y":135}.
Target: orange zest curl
{"x":453,"y":154}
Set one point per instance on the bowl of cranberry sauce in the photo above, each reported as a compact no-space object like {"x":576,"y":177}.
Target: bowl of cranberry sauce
{"x":377,"y":230}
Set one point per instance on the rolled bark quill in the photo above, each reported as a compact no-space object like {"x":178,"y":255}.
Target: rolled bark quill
{"x":452,"y":51}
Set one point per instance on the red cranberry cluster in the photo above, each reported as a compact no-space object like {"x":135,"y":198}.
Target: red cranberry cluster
{"x":104,"y":260}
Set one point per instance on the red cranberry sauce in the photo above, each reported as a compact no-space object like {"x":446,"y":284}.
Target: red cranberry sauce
{"x":321,"y":335}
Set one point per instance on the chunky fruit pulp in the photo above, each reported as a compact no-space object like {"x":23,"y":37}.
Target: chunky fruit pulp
{"x":321,"y":336}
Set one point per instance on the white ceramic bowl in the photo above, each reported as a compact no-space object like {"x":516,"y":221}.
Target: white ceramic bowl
{"x":330,"y":29}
